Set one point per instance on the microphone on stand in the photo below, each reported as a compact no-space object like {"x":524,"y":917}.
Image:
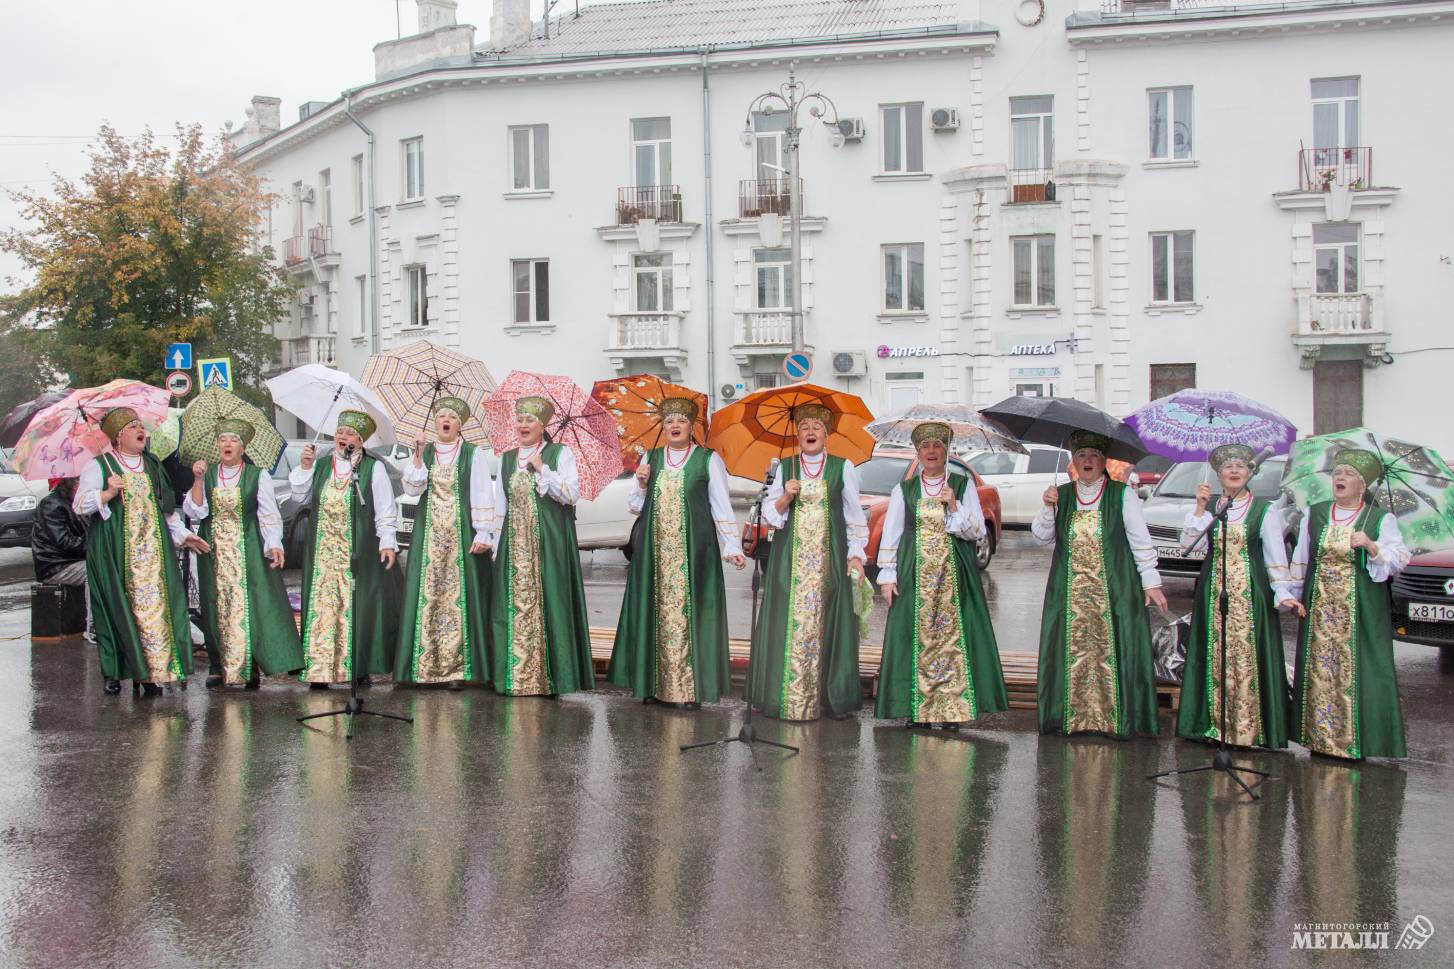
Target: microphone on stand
{"x":768,"y":479}
{"x":1262,"y":456}
{"x":354,"y":466}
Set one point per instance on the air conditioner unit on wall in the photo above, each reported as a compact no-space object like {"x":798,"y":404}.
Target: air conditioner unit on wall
{"x":850,"y":363}
{"x":944,"y":119}
{"x":305,"y":193}
{"x":851,"y":129}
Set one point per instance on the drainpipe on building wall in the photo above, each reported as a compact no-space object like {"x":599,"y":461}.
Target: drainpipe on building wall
{"x":711,"y":234}
{"x":373,"y":232}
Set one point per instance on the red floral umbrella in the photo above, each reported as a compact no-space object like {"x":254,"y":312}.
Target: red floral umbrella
{"x":64,"y":436}
{"x":580,"y":424}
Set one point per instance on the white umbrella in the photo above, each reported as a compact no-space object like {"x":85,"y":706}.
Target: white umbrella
{"x":315,"y":394}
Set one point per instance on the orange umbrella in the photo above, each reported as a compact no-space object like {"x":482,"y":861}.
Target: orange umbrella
{"x":634,"y":403}
{"x":752,"y":431}
{"x":1119,"y":470}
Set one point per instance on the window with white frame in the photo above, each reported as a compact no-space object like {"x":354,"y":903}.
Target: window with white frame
{"x":1335,"y":257}
{"x":774,"y":272}
{"x":1168,"y":117}
{"x":412,"y":150}
{"x":1034,"y":270}
{"x":358,"y":184}
{"x":903,"y":141}
{"x":297,"y":209}
{"x":1031,"y":135}
{"x":325,"y":197}
{"x":652,"y":272}
{"x":361,"y":296}
{"x":1097,"y":267}
{"x":769,"y":137}
{"x":418,"y":277}
{"x":903,"y":278}
{"x":1335,"y":112}
{"x":905,"y":388}
{"x":531,"y":283}
{"x":530,"y":158}
{"x":651,"y":151}
{"x":1171,"y":267}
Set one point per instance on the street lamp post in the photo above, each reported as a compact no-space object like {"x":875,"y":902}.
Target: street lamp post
{"x":791,"y":97}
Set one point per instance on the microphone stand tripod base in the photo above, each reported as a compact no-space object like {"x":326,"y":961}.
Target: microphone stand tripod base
{"x":354,"y":707}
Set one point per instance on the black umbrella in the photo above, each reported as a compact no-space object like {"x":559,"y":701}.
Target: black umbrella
{"x":1051,"y":420}
{"x":15,"y":422}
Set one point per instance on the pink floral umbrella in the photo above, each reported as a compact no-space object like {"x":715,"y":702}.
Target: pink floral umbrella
{"x":64,"y":436}
{"x":580,"y":424}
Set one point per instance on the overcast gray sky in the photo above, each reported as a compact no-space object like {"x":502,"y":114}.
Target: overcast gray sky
{"x":68,"y":65}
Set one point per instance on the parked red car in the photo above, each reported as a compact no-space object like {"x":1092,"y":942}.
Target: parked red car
{"x":880,"y":474}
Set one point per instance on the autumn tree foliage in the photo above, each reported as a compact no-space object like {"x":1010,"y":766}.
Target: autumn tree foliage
{"x":151,"y":246}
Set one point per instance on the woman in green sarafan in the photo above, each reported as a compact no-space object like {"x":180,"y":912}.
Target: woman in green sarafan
{"x":805,"y":646}
{"x":1258,"y":584}
{"x":246,"y":616}
{"x":138,"y":602}
{"x":941,"y":664}
{"x":671,"y":642}
{"x":351,"y":589}
{"x":443,"y":635}
{"x":539,"y":637}
{"x":1345,"y":695}
{"x":1096,"y":672}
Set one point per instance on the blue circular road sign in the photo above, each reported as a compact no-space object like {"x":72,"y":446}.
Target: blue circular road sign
{"x":797,"y":366}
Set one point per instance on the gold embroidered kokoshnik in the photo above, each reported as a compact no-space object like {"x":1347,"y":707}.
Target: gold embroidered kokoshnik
{"x":330,"y":599}
{"x":675,"y":681}
{"x":941,"y":680}
{"x":806,"y":600}
{"x":1090,"y":696}
{"x":228,"y":554}
{"x":1244,"y":712}
{"x":440,"y":650}
{"x":1329,"y":706}
{"x":146,"y":584}
{"x":527,"y":674}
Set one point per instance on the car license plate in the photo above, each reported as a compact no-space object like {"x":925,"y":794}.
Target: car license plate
{"x":1432,"y":611}
{"x":1170,"y":551}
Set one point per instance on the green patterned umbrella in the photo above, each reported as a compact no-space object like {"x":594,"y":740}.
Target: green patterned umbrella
{"x":1417,"y":486}
{"x":199,"y":429}
{"x":166,"y":435}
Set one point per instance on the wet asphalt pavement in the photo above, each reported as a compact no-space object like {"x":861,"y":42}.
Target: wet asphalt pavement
{"x":212,"y":830}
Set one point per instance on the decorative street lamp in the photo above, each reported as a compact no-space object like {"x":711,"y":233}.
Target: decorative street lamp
{"x":791,"y":97}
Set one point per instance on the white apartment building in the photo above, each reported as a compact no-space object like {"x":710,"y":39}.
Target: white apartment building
{"x":1105,"y":199}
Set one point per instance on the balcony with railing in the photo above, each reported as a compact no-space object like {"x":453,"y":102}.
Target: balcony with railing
{"x":759,"y":196}
{"x":632,"y":336}
{"x":302,"y":252}
{"x":303,"y":350}
{"x":1029,"y":185}
{"x":1353,"y":320}
{"x":762,"y":332}
{"x":1320,"y":169}
{"x":637,"y":202}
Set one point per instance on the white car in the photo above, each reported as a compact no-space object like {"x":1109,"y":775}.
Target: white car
{"x":18,"y":499}
{"x":1022,"y":479}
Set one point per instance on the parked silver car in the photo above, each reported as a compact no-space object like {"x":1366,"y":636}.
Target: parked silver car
{"x":1167,"y":505}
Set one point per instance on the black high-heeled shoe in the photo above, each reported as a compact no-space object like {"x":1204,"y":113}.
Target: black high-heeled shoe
{"x":454,"y":686}
{"x":150,"y":689}
{"x":252,"y":684}
{"x":317,"y":686}
{"x":214,"y":680}
{"x":112,"y":687}
{"x":691,"y":705}
{"x":952,"y":727}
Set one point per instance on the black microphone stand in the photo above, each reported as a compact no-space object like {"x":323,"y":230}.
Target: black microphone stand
{"x":355,"y":705}
{"x":747,"y":734}
{"x":1222,"y":759}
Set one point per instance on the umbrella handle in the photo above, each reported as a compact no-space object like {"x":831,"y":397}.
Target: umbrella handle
{"x":318,"y":431}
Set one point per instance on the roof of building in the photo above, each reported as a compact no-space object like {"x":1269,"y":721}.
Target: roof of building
{"x":662,"y":25}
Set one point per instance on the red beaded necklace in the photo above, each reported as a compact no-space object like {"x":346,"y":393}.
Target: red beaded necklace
{"x":140,"y":461}
{"x":1333,"y":513}
{"x":677,"y":465}
{"x":226,"y":479}
{"x":938,"y":489}
{"x":1094,"y":501}
{"x":821,"y":457}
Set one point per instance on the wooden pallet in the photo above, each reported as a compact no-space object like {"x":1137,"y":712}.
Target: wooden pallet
{"x":1021,"y":669}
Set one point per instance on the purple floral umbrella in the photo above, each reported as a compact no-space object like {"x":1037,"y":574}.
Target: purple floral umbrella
{"x":1187,"y":425}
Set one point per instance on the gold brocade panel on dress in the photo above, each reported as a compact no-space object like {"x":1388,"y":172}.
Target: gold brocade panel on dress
{"x":941,"y":675}
{"x":329,"y":632}
{"x":146,"y":582}
{"x":807,"y":601}
{"x":1330,"y":710}
{"x":439,"y":641}
{"x":675,"y":679}
{"x":1244,"y":710}
{"x":527,"y":673}
{"x":1090,"y":665}
{"x":228,"y":555}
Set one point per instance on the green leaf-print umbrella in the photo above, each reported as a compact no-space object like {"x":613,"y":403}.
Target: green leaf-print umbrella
{"x":1417,"y":486}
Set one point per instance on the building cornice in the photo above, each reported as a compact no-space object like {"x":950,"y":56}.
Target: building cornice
{"x":489,"y":70}
{"x":1249,"y":20}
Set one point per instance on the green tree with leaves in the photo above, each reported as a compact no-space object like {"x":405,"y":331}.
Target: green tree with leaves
{"x":151,"y":246}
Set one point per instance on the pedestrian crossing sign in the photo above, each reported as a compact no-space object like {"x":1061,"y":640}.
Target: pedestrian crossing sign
{"x":216,"y":372}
